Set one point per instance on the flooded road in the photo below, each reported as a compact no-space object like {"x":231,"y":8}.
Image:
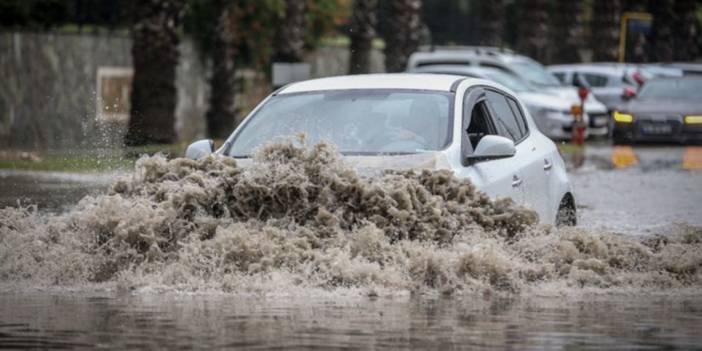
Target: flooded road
{"x":52,"y":191}
{"x":638,"y":192}
{"x":171,"y":321}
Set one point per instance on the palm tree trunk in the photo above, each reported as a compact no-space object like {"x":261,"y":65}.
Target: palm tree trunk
{"x":533,"y":29}
{"x":363,"y":22}
{"x":491,"y":22}
{"x":403,"y":33}
{"x":662,"y":36}
{"x":568,"y":34}
{"x":155,"y":57}
{"x":290,"y":34}
{"x":686,"y":30}
{"x":605,"y":29}
{"x":221,"y":113}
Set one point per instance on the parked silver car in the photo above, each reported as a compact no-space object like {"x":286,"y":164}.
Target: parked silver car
{"x":612,"y":83}
{"x":552,"y":114}
{"x":520,"y":66}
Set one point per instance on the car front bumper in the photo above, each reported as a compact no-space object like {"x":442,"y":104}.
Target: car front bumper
{"x":649,"y":130}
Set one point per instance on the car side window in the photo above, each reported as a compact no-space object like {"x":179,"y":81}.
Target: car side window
{"x":495,"y":66}
{"x":595,"y":80}
{"x":521,"y":121}
{"x":506,"y":121}
{"x":560,"y":76}
{"x":480,"y":124}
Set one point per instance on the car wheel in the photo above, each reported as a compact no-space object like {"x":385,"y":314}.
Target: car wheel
{"x":566,"y":215}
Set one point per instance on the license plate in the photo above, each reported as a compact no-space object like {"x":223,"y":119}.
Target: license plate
{"x":657,"y":128}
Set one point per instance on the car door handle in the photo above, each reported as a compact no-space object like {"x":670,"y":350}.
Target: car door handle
{"x":516,"y":181}
{"x":547,"y":164}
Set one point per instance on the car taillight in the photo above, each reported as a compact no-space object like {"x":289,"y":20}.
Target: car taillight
{"x":638,"y":77}
{"x":628,"y":92}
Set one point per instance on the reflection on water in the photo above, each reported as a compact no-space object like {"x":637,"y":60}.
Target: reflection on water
{"x":183,"y":321}
{"x":623,"y":157}
{"x":692,"y":158}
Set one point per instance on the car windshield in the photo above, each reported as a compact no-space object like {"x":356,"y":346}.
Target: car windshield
{"x":357,"y":121}
{"x":535,"y":73}
{"x":508,"y":80}
{"x":673,"y":89}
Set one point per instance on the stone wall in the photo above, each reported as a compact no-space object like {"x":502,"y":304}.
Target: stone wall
{"x":48,"y":84}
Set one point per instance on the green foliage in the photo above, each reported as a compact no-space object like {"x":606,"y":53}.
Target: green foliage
{"x":324,"y":17}
{"x":253,"y":24}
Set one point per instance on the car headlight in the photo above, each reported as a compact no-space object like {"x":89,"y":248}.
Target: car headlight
{"x":693,"y":119}
{"x":622,"y":117}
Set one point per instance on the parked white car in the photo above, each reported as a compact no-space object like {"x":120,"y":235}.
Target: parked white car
{"x":551,"y":113}
{"x":612,"y":83}
{"x":521,"y":66}
{"x":609,"y":83}
{"x":476,"y":128}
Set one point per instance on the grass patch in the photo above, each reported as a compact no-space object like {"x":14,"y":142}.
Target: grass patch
{"x":69,"y":163}
{"x":86,"y":161}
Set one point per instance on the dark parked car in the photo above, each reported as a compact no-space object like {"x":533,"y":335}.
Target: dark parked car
{"x":666,"y":109}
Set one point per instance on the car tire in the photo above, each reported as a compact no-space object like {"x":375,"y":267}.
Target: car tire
{"x":567,"y":215}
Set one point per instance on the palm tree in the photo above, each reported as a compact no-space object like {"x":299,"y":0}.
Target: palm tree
{"x":533,"y":29}
{"x":662,"y":32}
{"x":363,"y":22}
{"x":402,"y":34}
{"x":605,"y":29}
{"x":155,"y":57}
{"x":491,"y":22}
{"x":290,"y":34}
{"x":568,"y":37}
{"x":221,"y":114}
{"x":686,"y":30}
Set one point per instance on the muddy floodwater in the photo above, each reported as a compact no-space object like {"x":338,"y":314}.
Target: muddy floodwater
{"x":167,"y":321}
{"x":206,"y":254}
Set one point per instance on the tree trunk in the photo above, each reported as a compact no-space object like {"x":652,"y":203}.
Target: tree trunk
{"x":568,"y":35}
{"x":290,"y":34}
{"x":686,"y":30}
{"x":605,"y":29}
{"x":403,"y":33}
{"x":533,"y":29}
{"x":221,"y":113}
{"x":155,"y":57}
{"x":363,"y":22}
{"x":492,"y":22}
{"x":662,"y":32}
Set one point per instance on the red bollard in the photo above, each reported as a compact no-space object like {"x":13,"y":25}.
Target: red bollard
{"x":579,"y":127}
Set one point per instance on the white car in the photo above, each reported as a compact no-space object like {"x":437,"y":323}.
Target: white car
{"x":476,"y":128}
{"x":609,"y":83}
{"x":518,"y":65}
{"x":551,"y":113}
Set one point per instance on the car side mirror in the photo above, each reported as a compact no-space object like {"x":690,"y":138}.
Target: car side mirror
{"x":199,"y":149}
{"x":492,"y":147}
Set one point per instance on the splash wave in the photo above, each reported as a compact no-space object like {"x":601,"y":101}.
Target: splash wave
{"x":299,"y":217}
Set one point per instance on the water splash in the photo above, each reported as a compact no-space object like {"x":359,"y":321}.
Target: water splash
{"x":298,"y":218}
